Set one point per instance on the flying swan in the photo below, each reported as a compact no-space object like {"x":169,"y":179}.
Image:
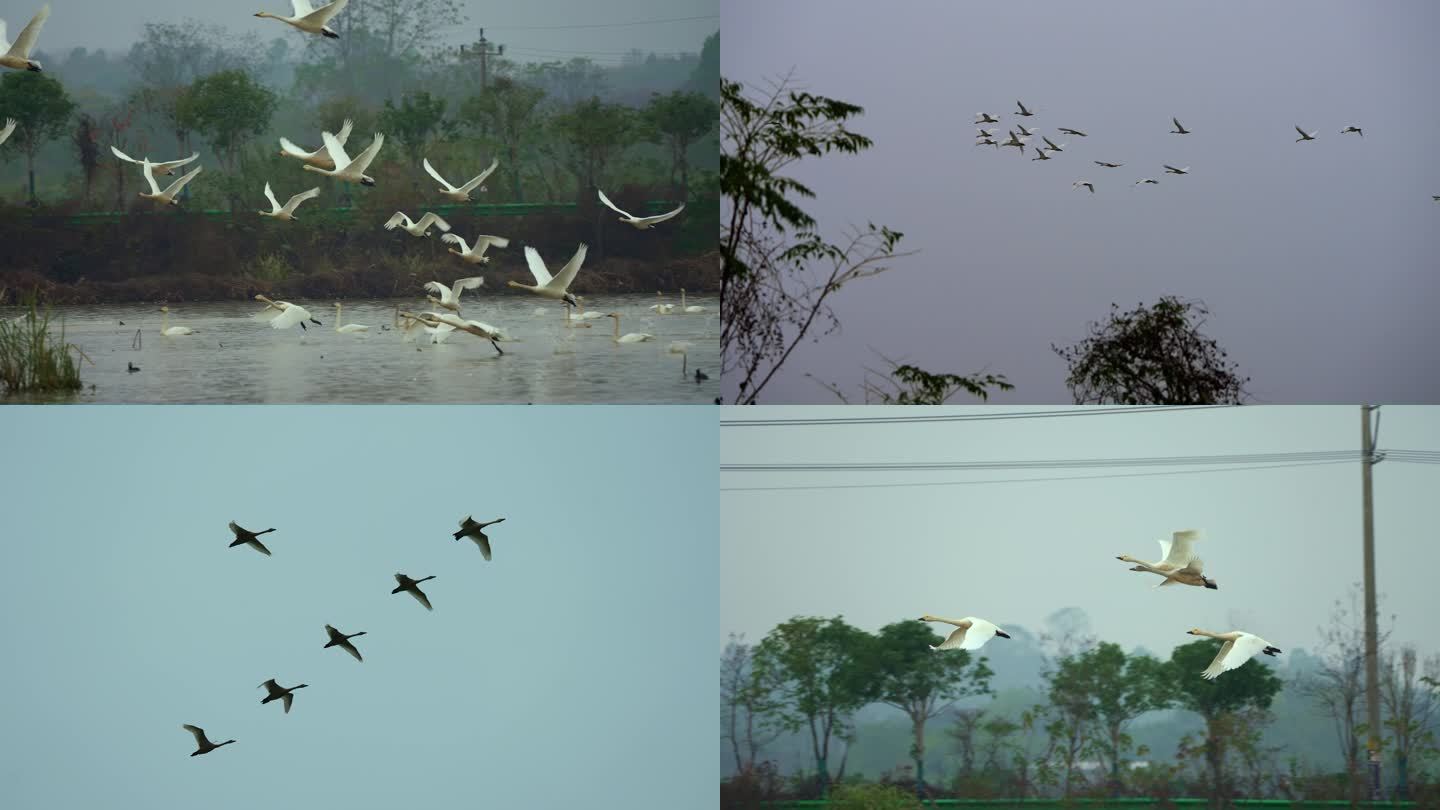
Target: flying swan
{"x":420,"y":228}
{"x":166,"y":168}
{"x":17,"y":56}
{"x":308,"y":19}
{"x":450,"y":296}
{"x":1239,"y":647}
{"x":641,"y":223}
{"x":249,"y":538}
{"x":474,"y":254}
{"x":168,"y":195}
{"x":462,"y":193}
{"x":348,"y":169}
{"x":339,"y":639}
{"x":413,"y":587}
{"x":476,"y":531}
{"x":1305,"y":136}
{"x":286,"y":212}
{"x":286,"y":314}
{"x":552,"y":286}
{"x":202,"y":743}
{"x":277,"y":692}
{"x":8,"y":128}
{"x":320,"y":158}
{"x":972,"y":633}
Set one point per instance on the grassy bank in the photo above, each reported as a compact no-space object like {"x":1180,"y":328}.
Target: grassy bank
{"x":34,"y":360}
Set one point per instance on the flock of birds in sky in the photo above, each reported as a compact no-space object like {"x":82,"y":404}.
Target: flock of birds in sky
{"x":286,"y":694}
{"x":1178,"y":566}
{"x":986,"y":137}
{"x":331,"y":160}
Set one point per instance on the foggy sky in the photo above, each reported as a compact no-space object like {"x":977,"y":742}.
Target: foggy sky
{"x":114,"y":26}
{"x":1282,"y":544}
{"x":565,"y":669}
{"x":1317,"y":260}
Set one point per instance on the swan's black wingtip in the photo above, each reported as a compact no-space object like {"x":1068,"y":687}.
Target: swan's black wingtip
{"x":1272,"y":651}
{"x":1002,"y":634}
{"x":330,"y":34}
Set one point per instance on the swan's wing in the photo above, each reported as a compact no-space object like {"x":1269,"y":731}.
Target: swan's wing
{"x":1301,"y":131}
{"x":567,"y":273}
{"x":1195,"y":565}
{"x":1176,"y":121}
{"x":431,"y":171}
{"x":198,"y":732}
{"x":294,"y":202}
{"x":258,"y":546}
{"x":537,"y":266}
{"x":1048,"y":141}
{"x":9,"y":128}
{"x":179,"y":184}
{"x":325,"y":13}
{"x":433,"y":218}
{"x":301,"y":7}
{"x":1182,"y":550}
{"x":955,"y":641}
{"x":4,"y":43}
{"x":336,"y":150}
{"x":289,"y":317}
{"x":454,"y":239}
{"x":398,"y":219}
{"x":1217,"y":666}
{"x":350,"y":648}
{"x":287,"y":700}
{"x":611,"y":205}
{"x":981,"y":631}
{"x":362,"y":160}
{"x":270,"y":195}
{"x":149,"y":175}
{"x":344,"y":134}
{"x":483,"y":542}
{"x":117,"y":152}
{"x":471,"y":283}
{"x":439,"y":289}
{"x":294,"y":151}
{"x":663,"y":217}
{"x":481,"y":242}
{"x":235,"y":528}
{"x":421,"y":597}
{"x":175,"y":164}
{"x":480,"y":178}
{"x":26,"y":40}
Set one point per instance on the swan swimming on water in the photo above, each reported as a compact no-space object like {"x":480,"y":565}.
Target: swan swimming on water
{"x":349,"y":328}
{"x":632,"y":337}
{"x":172,"y":331}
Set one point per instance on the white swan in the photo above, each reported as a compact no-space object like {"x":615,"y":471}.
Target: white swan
{"x":1015,"y":141}
{"x":1053,"y":147}
{"x":1238,"y":648}
{"x":348,"y":169}
{"x":412,"y":586}
{"x":308,"y":19}
{"x":9,"y":128}
{"x":286,"y":212}
{"x":168,"y":195}
{"x":494,"y":334}
{"x":986,"y":118}
{"x":556,"y":286}
{"x":275,"y":691}
{"x":474,"y":254}
{"x":1023,"y":111}
{"x":418,"y":228}
{"x":414,"y":325}
{"x":1305,"y":136}
{"x":985,"y":133}
{"x":1176,"y":552}
{"x":988,"y":142}
{"x":972,"y":633}
{"x":1178,"y":130}
{"x":17,"y":56}
{"x":462,"y":193}
{"x":320,"y":158}
{"x":1172,"y":170}
{"x":202,"y":743}
{"x":691,"y":308}
{"x":1028,"y":133}
{"x":1040,"y":155}
{"x":1069,"y":131}
{"x":339,"y":639}
{"x":476,"y":531}
{"x":1148,"y":180}
{"x":165,"y":168}
{"x":286,"y":315}
{"x":640,"y":223}
{"x":582,"y":315}
{"x":1085,"y":183}
{"x":172,"y":331}
{"x":349,"y":328}
{"x":632,"y":337}
{"x":1108,"y":165}
{"x":661,"y":308}
{"x":1354,"y":129}
{"x":679,"y":347}
{"x":450,"y":296}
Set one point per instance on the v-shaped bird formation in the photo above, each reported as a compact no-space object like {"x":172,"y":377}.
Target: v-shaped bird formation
{"x":469,"y":527}
{"x":1178,"y":565}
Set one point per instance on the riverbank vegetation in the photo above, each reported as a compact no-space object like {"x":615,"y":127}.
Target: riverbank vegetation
{"x":32,"y":359}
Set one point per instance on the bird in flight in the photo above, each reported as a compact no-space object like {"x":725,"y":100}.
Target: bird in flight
{"x":1108,"y":165}
{"x":1355,"y":130}
{"x":1172,"y":170}
{"x":1023,"y":111}
{"x":986,"y":118}
{"x":1304,"y":136}
{"x":1069,"y":131}
{"x":1178,"y":130}
{"x":1085,"y":183}
{"x":1147,"y":180}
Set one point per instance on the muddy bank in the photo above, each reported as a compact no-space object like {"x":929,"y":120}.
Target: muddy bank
{"x":184,"y":256}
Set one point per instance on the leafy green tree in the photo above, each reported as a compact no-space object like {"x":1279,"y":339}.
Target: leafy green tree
{"x":816,"y":673}
{"x":906,"y":384}
{"x":593,"y":133}
{"x":510,"y":109}
{"x":745,"y":702}
{"x":169,"y":57}
{"x":922,"y":682}
{"x":680,"y":118}
{"x":42,"y":111}
{"x":1217,"y":701}
{"x":1152,"y":356}
{"x":228,"y":108}
{"x":705,"y":79}
{"x":416,"y":123}
{"x":1410,"y":704}
{"x":86,"y":139}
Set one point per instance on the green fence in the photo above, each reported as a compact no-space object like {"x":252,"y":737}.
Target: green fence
{"x":1109,"y":804}
{"x":652,"y":207}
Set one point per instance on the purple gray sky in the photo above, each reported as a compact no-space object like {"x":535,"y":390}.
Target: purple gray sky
{"x":1317,"y":259}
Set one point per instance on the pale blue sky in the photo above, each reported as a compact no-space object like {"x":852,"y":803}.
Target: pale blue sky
{"x":569,"y":670}
{"x":1282,"y":544}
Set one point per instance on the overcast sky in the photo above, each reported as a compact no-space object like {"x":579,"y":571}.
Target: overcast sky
{"x":1282,"y":544}
{"x":567,"y":668}
{"x":1317,"y":259}
{"x":533,"y":31}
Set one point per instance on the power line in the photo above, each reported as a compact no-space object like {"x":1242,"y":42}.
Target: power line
{"x":1040,"y":464}
{"x":606,"y":25}
{"x":1029,"y":480}
{"x":975,"y":417}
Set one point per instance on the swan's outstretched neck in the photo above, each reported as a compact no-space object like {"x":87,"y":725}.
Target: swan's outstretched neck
{"x":513,"y":283}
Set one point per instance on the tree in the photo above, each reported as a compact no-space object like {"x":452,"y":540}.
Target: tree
{"x":706,"y":76}
{"x":228,"y":108}
{"x":87,"y":149}
{"x":418,"y":120}
{"x":510,"y":109}
{"x":116,"y":123}
{"x":1152,"y":356}
{"x":1217,"y":701}
{"x":169,"y":57}
{"x":922,"y":682}
{"x":42,"y":109}
{"x":817,"y":672}
{"x":593,"y":134}
{"x":963,"y":733}
{"x":744,"y":703}
{"x":906,"y":384}
{"x":680,"y":118}
{"x":1410,"y":703}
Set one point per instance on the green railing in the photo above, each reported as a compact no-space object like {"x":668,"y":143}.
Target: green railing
{"x":652,"y":207}
{"x":1106,"y":803}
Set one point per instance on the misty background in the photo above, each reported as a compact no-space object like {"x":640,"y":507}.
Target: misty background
{"x":1033,"y":550}
{"x":1315,"y":259}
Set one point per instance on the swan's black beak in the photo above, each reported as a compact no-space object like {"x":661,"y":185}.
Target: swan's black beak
{"x":1210,"y":583}
{"x":33,"y":68}
{"x":317,"y":323}
{"x":367,"y":182}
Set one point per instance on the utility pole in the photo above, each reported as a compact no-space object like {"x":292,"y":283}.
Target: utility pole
{"x":483,"y":52}
{"x":1372,"y":681}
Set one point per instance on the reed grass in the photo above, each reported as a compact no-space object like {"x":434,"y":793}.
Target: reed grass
{"x":34,"y":360}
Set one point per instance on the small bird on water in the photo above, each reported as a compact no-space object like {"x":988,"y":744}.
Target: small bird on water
{"x":700,"y":376}
{"x":132,"y":368}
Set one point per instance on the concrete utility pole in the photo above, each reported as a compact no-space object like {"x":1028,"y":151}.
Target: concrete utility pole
{"x":1372,"y":680}
{"x":483,"y":52}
